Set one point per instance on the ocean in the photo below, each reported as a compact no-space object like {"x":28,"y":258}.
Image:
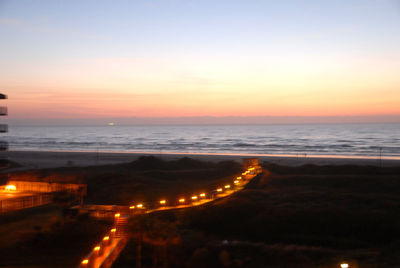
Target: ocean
{"x":340,"y":140}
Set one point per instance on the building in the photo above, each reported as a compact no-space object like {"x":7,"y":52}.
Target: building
{"x":3,"y":144}
{"x":18,"y":194}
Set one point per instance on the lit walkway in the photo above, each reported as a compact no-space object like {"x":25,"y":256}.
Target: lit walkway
{"x":106,"y":252}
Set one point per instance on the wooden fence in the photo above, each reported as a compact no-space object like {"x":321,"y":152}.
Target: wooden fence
{"x":26,"y":201}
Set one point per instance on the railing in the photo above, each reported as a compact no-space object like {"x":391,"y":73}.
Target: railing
{"x":99,"y":211}
{"x":3,"y":146}
{"x":3,"y":128}
{"x":3,"y":110}
{"x":107,"y":263}
{"x":38,"y":186}
{"x":103,"y":255}
{"x":28,"y":201}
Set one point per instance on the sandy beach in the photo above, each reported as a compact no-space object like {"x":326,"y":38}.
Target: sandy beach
{"x":52,"y":159}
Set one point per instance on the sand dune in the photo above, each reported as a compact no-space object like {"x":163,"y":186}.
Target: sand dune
{"x":50,"y":159}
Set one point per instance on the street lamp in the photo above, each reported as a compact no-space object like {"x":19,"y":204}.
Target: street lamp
{"x":10,"y":188}
{"x":163,"y":202}
{"x":344,"y":265}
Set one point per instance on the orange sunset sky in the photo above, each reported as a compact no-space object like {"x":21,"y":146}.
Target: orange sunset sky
{"x":97,"y":59}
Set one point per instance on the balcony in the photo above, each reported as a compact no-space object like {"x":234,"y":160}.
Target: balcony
{"x":3,"y":111}
{"x":3,"y":128}
{"x":3,"y":146}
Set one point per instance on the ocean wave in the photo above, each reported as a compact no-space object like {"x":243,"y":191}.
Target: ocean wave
{"x":299,"y":139}
{"x":244,"y":145}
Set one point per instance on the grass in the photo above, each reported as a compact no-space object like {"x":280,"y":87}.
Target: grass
{"x":17,"y":224}
{"x":309,"y":216}
{"x":146,"y":180}
{"x":42,"y":237}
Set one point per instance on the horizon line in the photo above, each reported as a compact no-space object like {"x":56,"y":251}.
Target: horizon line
{"x":208,"y":120}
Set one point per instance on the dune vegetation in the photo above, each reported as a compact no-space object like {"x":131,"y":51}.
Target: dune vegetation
{"x":308,"y":216}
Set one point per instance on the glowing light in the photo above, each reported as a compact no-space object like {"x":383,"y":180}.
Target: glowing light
{"x":113,"y":230}
{"x":194,"y":197}
{"x":244,"y":173}
{"x":139,"y":205}
{"x":219,"y":190}
{"x":182,"y":200}
{"x":344,"y":265}
{"x":106,"y":238}
{"x":162,"y":202}
{"x":227,"y":186}
{"x":239,"y":178}
{"x":132,"y":207}
{"x":117,"y":215}
{"x":96,"y":248}
{"x":236,"y":182}
{"x":11,"y":188}
{"x":202,"y":195}
{"x":86,"y":261}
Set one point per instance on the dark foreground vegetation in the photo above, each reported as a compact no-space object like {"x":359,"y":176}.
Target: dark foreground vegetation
{"x":145,"y":180}
{"x":309,"y":216}
{"x":50,"y":237}
{"x":42,"y":237}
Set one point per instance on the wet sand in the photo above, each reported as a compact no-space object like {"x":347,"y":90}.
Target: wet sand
{"x":51,"y":159}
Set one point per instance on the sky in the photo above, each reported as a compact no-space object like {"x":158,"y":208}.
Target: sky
{"x":93,"y":59}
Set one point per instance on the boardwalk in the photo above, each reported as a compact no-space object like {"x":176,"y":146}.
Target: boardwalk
{"x":106,"y":252}
{"x":26,"y":194}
